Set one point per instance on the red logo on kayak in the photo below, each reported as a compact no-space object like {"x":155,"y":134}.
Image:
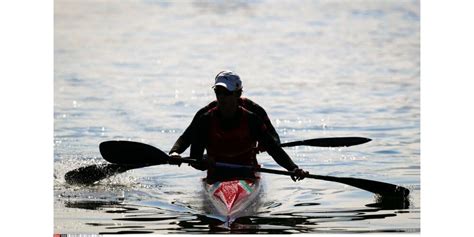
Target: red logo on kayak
{"x":230,"y":192}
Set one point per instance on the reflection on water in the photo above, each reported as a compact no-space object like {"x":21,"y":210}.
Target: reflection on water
{"x":148,"y":219}
{"x":389,"y":203}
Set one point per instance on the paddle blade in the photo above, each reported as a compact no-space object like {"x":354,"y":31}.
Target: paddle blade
{"x":383,"y":189}
{"x":132,"y":153}
{"x":377,"y":187}
{"x":329,"y":142}
{"x":90,"y":174}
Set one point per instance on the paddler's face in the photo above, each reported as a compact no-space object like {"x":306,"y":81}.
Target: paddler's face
{"x":227,"y":101}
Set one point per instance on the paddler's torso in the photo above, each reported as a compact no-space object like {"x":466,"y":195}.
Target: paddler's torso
{"x":230,"y":140}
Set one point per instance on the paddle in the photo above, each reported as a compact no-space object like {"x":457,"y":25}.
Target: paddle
{"x":138,"y":154}
{"x":329,"y":142}
{"x":93,"y":173}
{"x":124,"y":156}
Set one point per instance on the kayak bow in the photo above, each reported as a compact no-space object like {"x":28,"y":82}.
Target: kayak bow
{"x":234,"y":198}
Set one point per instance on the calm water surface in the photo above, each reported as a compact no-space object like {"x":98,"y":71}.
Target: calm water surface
{"x":139,"y":70}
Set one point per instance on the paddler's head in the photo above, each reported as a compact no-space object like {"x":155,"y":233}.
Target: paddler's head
{"x":228,"y":89}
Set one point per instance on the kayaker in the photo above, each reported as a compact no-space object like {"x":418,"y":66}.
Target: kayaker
{"x":229,"y":132}
{"x":184,"y":141}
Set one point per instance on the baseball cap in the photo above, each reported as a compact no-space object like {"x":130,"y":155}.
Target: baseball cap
{"x":228,"y":79}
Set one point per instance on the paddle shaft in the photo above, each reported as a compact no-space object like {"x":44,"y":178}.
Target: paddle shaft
{"x":93,"y":173}
{"x":139,"y":154}
{"x":384,"y":189}
{"x":126,"y":155}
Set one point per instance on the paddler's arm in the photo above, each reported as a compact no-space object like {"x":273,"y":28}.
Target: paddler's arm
{"x":277,"y":153}
{"x":274,"y":149}
{"x":282,"y":158}
{"x":184,"y":141}
{"x":199,"y":141}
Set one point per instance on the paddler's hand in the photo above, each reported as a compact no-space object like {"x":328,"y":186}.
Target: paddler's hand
{"x":299,"y":174}
{"x":175,"y":159}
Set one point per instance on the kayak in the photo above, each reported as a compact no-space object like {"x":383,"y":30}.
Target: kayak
{"x":234,"y":198}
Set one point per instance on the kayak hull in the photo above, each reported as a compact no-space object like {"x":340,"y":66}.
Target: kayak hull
{"x":234,"y":198}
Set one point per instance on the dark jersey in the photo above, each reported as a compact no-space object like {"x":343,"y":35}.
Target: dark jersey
{"x":184,"y":141}
{"x":257,"y":129}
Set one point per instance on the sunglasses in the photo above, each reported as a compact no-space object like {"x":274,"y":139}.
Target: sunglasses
{"x":223,"y":92}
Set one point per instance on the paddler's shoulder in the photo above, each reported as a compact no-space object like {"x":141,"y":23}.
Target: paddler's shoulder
{"x":253,"y":117}
{"x":206,"y":109}
{"x":247,"y":103}
{"x":253,"y":107}
{"x":204,"y":117}
{"x":211,"y":105}
{"x":210,"y":113}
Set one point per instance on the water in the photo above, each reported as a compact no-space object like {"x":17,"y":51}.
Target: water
{"x":139,"y":70}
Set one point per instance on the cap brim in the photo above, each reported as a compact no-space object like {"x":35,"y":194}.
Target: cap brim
{"x":223,"y":85}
